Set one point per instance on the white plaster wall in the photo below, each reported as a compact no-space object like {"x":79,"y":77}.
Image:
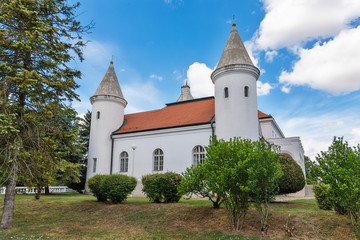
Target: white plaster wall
{"x":237,"y":114}
{"x":291,"y":146}
{"x":270,"y":129}
{"x":111,"y":118}
{"x":176,"y":143}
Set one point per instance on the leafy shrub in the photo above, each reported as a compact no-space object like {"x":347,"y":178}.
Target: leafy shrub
{"x":94,"y":184}
{"x":323,"y":197}
{"x":77,"y":186}
{"x":338,"y":208}
{"x":293,"y":179}
{"x":117,"y":187}
{"x":162,"y":187}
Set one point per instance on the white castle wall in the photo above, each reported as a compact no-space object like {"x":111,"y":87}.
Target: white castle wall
{"x":176,"y":143}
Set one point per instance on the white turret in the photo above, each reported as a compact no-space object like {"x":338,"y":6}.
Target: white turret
{"x":108,"y":106}
{"x":235,"y":92}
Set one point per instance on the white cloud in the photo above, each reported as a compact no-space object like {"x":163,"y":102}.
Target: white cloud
{"x":269,"y":55}
{"x":263,"y":88}
{"x":160,"y":78}
{"x":198,"y":77}
{"x":285,"y":89}
{"x":291,"y":22}
{"x":141,"y":96}
{"x":253,"y":54}
{"x":332,"y":66}
{"x":317,"y":131}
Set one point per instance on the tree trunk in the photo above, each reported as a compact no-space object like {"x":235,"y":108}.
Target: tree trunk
{"x":9,"y":202}
{"x":47,"y":190}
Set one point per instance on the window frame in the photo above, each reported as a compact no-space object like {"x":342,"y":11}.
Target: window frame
{"x":124,"y":162}
{"x":198,"y":154}
{"x":158,"y":160}
{"x":246,"y":91}
{"x":94,"y":165}
{"x":226,"y":92}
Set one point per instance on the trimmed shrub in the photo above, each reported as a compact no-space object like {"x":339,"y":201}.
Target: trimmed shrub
{"x":162,"y":187}
{"x":293,"y":179}
{"x":117,"y":187}
{"x":322,"y":196}
{"x":94,"y":184}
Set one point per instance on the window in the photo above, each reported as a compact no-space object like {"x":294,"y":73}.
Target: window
{"x":246,"y":91}
{"x":158,"y":160}
{"x":94,"y":164}
{"x":98,"y":115}
{"x":226,"y":91}
{"x":198,"y":155}
{"x":124,"y":161}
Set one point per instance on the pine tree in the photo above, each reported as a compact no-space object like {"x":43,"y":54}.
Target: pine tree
{"x":38,"y":39}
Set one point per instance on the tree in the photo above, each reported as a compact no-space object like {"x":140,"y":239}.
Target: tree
{"x":37,"y":41}
{"x":239,"y":169}
{"x":293,"y":179}
{"x":339,"y":167}
{"x":310,"y":169}
{"x":195,"y":182}
{"x":264,"y":176}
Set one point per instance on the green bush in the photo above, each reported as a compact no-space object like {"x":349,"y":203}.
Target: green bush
{"x":293,"y":179}
{"x":323,"y":197}
{"x":162,"y":187}
{"x":94,"y":184}
{"x":117,"y":187}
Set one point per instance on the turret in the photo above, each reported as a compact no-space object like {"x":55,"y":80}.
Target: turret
{"x":235,"y":91}
{"x":185,"y":93}
{"x":108,"y":104}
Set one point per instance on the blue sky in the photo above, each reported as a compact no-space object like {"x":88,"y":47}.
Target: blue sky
{"x":308,"y":52}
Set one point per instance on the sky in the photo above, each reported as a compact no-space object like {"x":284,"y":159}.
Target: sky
{"x":308,"y":53}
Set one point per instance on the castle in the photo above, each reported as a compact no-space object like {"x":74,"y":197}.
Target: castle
{"x":173,"y":138}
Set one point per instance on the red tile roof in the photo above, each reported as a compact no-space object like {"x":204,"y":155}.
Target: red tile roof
{"x":193,"y":112}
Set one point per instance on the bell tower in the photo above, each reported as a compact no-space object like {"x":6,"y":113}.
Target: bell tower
{"x":235,"y":91}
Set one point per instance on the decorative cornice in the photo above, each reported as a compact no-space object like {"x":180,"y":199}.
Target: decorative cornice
{"x":108,"y":98}
{"x":252,"y":70}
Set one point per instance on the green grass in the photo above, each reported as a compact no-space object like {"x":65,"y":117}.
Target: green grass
{"x":76,"y":216}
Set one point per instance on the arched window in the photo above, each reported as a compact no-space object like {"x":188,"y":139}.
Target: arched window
{"x":226,"y":91}
{"x":198,"y":155}
{"x":158,"y":160}
{"x":124,"y":161}
{"x":246,"y":91}
{"x":98,"y":115}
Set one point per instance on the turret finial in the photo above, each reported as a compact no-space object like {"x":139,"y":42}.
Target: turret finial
{"x":112,"y":59}
{"x":234,"y":24}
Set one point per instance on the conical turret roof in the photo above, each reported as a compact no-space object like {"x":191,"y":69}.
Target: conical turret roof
{"x":234,"y":51}
{"x":109,"y":86}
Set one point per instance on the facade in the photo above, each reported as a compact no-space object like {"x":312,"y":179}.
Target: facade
{"x":173,"y":138}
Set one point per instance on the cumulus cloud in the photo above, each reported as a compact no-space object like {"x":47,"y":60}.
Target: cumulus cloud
{"x":292,"y":22}
{"x":332,"y":66}
{"x":160,"y":78}
{"x":263,"y":88}
{"x":198,"y":77}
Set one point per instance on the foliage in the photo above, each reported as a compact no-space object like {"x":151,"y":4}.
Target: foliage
{"x":117,"y":187}
{"x":339,"y":167}
{"x":195,"y":182}
{"x":293,"y":179}
{"x":83,"y":125}
{"x":233,"y":171}
{"x":323,"y":197}
{"x":264,"y":176}
{"x":310,"y":170}
{"x":162,"y":187}
{"x":38,"y":39}
{"x":94,"y":184}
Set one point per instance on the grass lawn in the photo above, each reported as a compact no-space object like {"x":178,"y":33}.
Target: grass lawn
{"x":82,"y":217}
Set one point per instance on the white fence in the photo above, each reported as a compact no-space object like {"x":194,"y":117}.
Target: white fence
{"x":52,"y":189}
